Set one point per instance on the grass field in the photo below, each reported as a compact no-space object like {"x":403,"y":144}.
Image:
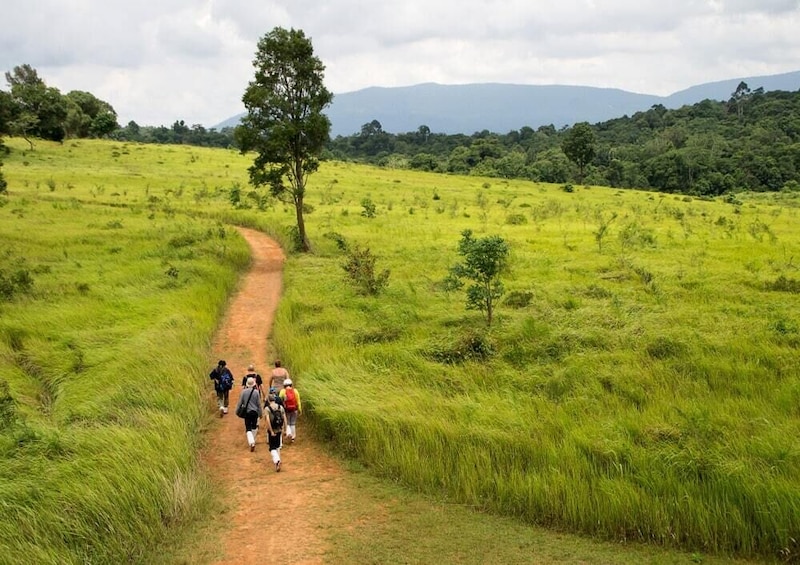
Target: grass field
{"x":100,"y":355}
{"x":641,"y":386}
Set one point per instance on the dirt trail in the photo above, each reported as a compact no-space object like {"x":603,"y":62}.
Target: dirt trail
{"x":310,"y":481}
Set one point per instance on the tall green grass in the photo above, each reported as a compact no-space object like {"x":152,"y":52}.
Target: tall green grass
{"x":648,"y":391}
{"x":106,"y":362}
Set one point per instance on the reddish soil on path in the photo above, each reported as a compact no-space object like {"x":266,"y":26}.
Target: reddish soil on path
{"x":307,"y":487}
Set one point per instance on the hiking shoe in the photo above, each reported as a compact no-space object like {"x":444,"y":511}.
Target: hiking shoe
{"x":221,"y":411}
{"x":225,"y":410}
{"x":252,"y":447}
{"x":278,"y":467}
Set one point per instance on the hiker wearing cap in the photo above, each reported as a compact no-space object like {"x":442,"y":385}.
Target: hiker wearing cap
{"x":278,"y":375}
{"x":251,"y":372}
{"x":276,"y":426}
{"x":249,"y":408}
{"x":223,"y":383}
{"x":291,"y":403}
{"x":278,"y":399}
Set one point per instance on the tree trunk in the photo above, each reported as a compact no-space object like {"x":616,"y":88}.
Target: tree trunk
{"x":305,"y":246}
{"x":488,"y":289}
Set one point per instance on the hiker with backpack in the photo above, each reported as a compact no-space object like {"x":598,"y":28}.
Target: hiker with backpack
{"x":249,"y":408}
{"x":223,"y":383}
{"x":292,"y":406}
{"x":276,"y":426}
{"x":251,"y":372}
{"x":279,"y":374}
{"x":278,"y":399}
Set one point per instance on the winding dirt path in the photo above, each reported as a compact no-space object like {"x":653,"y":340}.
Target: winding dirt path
{"x":310,"y":481}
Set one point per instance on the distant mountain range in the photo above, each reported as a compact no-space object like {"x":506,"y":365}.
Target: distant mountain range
{"x":500,"y":108}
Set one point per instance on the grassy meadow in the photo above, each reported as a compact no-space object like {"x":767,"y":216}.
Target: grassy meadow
{"x":639,"y":383}
{"x":103,"y":356}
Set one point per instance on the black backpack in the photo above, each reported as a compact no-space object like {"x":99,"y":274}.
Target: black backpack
{"x":276,"y":419}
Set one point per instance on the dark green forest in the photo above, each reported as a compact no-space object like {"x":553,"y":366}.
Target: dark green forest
{"x":749,"y":142}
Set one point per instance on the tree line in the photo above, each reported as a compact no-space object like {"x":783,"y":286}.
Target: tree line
{"x":33,"y":110}
{"x":710,"y":148}
{"x":749,"y":142}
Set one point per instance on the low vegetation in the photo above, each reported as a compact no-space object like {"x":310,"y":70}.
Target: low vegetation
{"x":642,"y":386}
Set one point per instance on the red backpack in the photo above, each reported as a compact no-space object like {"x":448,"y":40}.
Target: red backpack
{"x":290,"y":403}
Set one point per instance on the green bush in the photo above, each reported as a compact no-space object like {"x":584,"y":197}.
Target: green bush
{"x":369,"y":208}
{"x":518,"y":299}
{"x":341,"y":242}
{"x":383,"y":334}
{"x":784,"y":284}
{"x":7,"y":408}
{"x":18,"y":282}
{"x":664,"y":347}
{"x":516,"y":219}
{"x":360,"y":269}
{"x":472,"y":345}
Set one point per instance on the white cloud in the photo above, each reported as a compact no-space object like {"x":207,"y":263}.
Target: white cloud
{"x":191,"y":59}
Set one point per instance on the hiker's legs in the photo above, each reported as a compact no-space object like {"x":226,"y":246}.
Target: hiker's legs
{"x":275,"y":449}
{"x":250,"y":426}
{"x":220,"y":403}
{"x":225,"y":395}
{"x":291,"y":424}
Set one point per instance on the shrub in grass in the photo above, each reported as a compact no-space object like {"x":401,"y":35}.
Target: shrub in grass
{"x":339,"y":239}
{"x":383,"y":334}
{"x":518,"y":299}
{"x":361,"y":272}
{"x":12,"y":284}
{"x":784,"y":284}
{"x":516,"y":219}
{"x":471,"y":345}
{"x":369,"y":210}
{"x":663,"y":347}
{"x":7,"y":410}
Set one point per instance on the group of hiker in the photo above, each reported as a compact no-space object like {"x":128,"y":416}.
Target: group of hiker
{"x":278,"y":409}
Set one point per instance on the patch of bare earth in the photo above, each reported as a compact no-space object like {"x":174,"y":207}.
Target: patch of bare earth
{"x":309,"y":484}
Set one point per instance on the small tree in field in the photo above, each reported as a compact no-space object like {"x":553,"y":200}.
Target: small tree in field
{"x":284,"y":124}
{"x":484,"y":260}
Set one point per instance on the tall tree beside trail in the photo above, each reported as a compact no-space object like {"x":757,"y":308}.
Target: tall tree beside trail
{"x":284,"y":123}
{"x":579,"y":146}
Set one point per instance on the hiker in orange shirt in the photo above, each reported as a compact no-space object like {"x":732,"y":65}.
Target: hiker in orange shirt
{"x":292,"y":406}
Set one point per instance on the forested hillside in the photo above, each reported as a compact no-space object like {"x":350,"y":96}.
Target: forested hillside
{"x":710,"y":148}
{"x":747,"y":143}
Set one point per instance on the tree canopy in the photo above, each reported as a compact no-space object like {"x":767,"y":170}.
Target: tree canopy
{"x":579,"y":146}
{"x":284,"y":124}
{"x":32,"y":109}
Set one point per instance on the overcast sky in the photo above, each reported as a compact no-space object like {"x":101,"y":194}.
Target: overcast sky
{"x":157,"y":61}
